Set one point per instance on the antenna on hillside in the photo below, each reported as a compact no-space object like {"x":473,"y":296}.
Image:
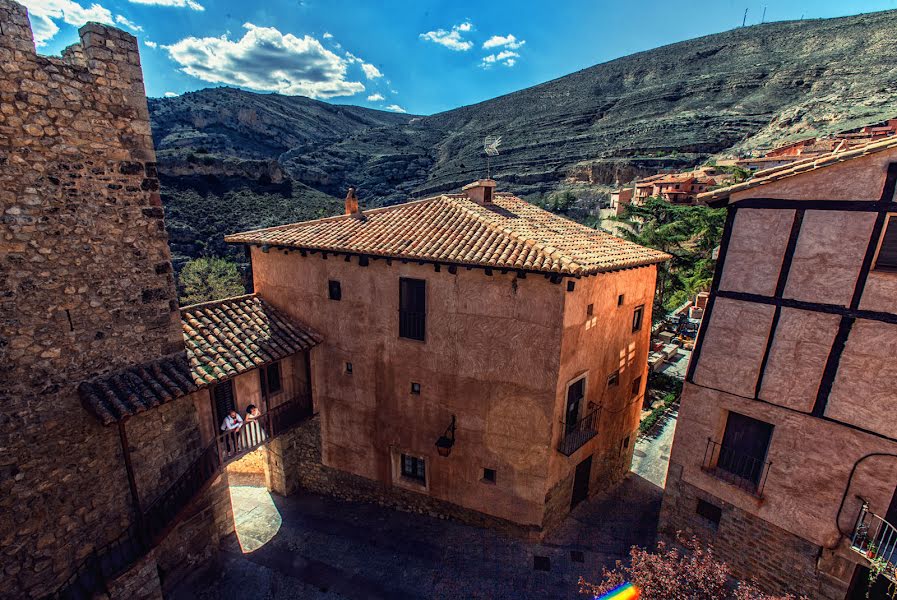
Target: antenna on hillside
{"x":763,"y":19}
{"x":744,"y":20}
{"x":490,"y":147}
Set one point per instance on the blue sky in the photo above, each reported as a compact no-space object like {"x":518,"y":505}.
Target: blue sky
{"x":417,"y":56}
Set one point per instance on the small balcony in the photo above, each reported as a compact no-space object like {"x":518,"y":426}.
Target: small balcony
{"x":577,"y":433}
{"x":876,"y":539}
{"x":735,"y":467}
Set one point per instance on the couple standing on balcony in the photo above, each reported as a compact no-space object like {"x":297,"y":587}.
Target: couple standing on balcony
{"x":240,"y":433}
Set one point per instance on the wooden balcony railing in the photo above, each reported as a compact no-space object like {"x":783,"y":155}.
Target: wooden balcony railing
{"x":576,"y":434}
{"x":738,"y":468}
{"x":166,"y":510}
{"x":876,"y":539}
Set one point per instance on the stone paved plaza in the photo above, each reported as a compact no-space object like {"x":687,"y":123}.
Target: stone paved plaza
{"x":310,"y":546}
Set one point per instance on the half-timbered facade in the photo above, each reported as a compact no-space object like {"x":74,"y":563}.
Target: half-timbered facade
{"x":785,"y":454}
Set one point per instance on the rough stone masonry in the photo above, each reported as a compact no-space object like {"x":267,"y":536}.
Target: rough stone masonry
{"x":86,"y":285}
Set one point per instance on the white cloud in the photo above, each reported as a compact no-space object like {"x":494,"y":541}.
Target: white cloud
{"x":396,"y":108}
{"x":370,"y":71}
{"x":505,"y":57}
{"x":45,"y":13}
{"x":450,"y":39}
{"x":150,"y":44}
{"x":508,"y":41}
{"x":192,"y":4}
{"x":267,"y":60}
{"x":127,"y":23}
{"x":376,"y":97}
{"x":327,"y":35}
{"x":170,"y":95}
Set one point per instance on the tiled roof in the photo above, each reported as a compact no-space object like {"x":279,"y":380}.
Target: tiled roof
{"x":452,"y":229}
{"x":767,"y":176}
{"x":228,"y":337}
{"x":223,"y":339}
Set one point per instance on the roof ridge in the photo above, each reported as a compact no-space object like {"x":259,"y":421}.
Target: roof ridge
{"x":539,"y":245}
{"x":332,"y":218}
{"x":219,"y":301}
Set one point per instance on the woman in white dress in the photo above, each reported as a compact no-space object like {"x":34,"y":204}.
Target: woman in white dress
{"x":252,"y":432}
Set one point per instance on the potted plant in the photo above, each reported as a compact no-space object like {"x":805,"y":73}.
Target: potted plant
{"x":871,"y":551}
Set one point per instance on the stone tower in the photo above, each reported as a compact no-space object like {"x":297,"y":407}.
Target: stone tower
{"x":87,"y":288}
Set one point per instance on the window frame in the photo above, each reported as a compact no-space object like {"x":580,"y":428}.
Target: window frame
{"x":613,"y":379}
{"x":637,"y":323}
{"x":636,"y":388}
{"x":265,"y":379}
{"x":334,"y":290}
{"x":419,"y":464}
{"x":404,"y":333}
{"x":890,"y":221}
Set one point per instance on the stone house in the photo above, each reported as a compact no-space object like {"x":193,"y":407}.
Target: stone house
{"x":479,"y":352}
{"x":785,"y":455}
{"x":111,"y":480}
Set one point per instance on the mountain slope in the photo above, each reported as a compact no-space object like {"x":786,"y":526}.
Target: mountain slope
{"x":669,"y":107}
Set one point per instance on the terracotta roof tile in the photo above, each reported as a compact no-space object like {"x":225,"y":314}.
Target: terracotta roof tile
{"x":767,"y":176}
{"x":509,"y":233}
{"x":222,"y":338}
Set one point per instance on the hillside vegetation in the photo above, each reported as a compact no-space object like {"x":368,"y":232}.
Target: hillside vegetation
{"x":674,"y":106}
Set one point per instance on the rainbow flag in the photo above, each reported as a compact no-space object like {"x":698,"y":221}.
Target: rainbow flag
{"x":627,"y":591}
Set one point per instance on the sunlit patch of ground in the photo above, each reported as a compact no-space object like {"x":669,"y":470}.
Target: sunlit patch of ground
{"x":256,"y":519}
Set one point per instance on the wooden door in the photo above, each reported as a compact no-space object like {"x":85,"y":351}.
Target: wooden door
{"x":581,"y":482}
{"x":223,"y":401}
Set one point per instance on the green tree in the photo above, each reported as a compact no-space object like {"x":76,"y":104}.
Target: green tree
{"x":688,"y":233}
{"x":208,"y":278}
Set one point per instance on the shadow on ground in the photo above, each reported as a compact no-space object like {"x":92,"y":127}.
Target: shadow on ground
{"x":326,"y":548}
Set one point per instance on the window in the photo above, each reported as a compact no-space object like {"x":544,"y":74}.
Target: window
{"x":709,"y":511}
{"x":415,"y":388}
{"x":613,"y":379}
{"x":334,"y":290}
{"x":637,"y":317}
{"x":744,"y":447}
{"x":412,"y":309}
{"x":269,"y":377}
{"x":636,"y":386}
{"x":489,"y":475}
{"x":576,"y":393}
{"x":625,"y":442}
{"x":223,"y":398}
{"x":590,"y":310}
{"x":571,"y":285}
{"x":620,"y":300}
{"x":887,"y":252}
{"x":414,"y":468}
{"x":348,"y":368}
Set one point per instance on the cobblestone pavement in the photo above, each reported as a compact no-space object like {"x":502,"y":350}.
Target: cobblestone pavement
{"x":651,"y":456}
{"x":315,"y":547}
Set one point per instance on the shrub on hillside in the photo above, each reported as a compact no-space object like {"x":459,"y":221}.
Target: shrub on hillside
{"x":206,"y":279}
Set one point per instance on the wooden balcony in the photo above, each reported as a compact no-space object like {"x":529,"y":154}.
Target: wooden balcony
{"x":166,"y":510}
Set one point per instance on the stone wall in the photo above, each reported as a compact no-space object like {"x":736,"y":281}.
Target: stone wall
{"x":295,"y":462}
{"x":86,"y":287}
{"x":140,"y":582}
{"x":777,"y":560}
{"x":163,"y":442}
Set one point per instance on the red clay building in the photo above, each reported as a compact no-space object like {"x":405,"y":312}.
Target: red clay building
{"x":479,"y":351}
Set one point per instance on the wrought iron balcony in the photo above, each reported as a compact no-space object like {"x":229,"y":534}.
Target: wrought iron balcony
{"x":738,"y":468}
{"x":876,"y":539}
{"x":577,"y":433}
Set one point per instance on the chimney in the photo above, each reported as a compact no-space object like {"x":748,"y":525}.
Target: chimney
{"x":352,"y":207}
{"x":480,"y":191}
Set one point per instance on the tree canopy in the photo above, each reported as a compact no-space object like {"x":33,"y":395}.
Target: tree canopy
{"x":688,"y":233}
{"x":208,"y":278}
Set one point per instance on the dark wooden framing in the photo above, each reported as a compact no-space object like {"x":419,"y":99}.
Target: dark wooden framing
{"x":849,"y":314}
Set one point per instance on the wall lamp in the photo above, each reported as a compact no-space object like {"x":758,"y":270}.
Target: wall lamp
{"x":446,"y":440}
